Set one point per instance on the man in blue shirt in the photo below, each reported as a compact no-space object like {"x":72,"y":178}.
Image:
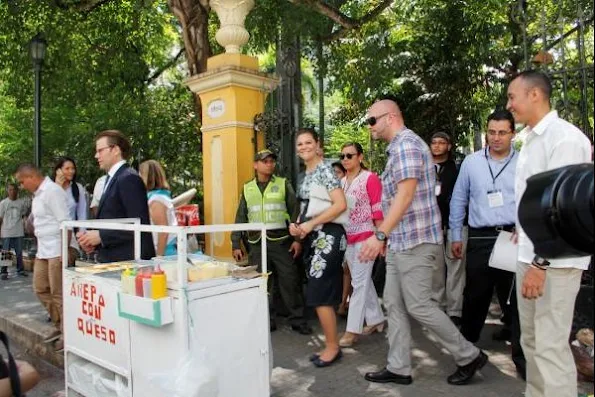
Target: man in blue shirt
{"x":486,"y":186}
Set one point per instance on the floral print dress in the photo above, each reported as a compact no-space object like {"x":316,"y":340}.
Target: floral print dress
{"x":324,"y":247}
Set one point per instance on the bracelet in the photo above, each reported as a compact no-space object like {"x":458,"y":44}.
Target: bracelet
{"x":544,"y":268}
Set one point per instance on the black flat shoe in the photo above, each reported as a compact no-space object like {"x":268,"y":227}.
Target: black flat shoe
{"x":385,"y":376}
{"x":463,"y":374}
{"x":303,"y":329}
{"x":314,"y":356}
{"x":321,"y":363}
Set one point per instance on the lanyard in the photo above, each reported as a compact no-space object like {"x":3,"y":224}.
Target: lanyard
{"x":490,"y":167}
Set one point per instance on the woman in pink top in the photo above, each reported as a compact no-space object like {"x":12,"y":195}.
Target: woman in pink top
{"x":363,"y":191}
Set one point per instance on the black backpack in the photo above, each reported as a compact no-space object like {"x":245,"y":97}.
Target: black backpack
{"x":10,"y":370}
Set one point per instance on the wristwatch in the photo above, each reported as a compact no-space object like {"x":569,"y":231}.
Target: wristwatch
{"x":380,"y":236}
{"x":540,"y":262}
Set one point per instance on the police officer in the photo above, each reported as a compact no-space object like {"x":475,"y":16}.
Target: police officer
{"x":271,"y":199}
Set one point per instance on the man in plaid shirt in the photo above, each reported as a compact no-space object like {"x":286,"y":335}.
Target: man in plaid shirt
{"x":412,"y":228}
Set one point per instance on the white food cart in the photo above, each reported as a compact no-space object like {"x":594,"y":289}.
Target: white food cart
{"x":216,"y":331}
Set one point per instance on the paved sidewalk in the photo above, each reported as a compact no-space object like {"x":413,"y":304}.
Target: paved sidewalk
{"x":22,"y":316}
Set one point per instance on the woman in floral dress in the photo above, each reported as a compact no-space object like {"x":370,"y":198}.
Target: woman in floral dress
{"x":363,"y":190}
{"x":324,"y":243}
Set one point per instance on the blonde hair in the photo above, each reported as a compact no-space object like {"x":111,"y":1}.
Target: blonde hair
{"x":153,"y":175}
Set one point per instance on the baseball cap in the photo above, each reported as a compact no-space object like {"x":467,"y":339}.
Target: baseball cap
{"x":443,"y":135}
{"x":263,"y":154}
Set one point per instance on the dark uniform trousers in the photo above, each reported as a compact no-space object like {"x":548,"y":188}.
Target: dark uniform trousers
{"x":480,"y":281}
{"x":285,"y":277}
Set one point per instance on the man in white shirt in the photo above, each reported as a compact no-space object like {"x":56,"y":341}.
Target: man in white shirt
{"x":12,"y":211}
{"x":546,"y":291}
{"x":97,"y":192}
{"x":49,"y":211}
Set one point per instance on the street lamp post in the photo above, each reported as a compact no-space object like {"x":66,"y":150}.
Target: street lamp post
{"x":37,"y":49}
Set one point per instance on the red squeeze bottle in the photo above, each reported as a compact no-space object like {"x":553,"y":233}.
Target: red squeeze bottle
{"x":138,"y":284}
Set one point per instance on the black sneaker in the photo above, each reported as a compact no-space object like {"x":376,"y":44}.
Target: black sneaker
{"x":4,"y":276}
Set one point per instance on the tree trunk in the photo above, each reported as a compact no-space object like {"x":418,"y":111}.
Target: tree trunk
{"x":193,"y":16}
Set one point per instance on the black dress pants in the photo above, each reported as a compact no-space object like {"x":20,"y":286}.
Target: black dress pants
{"x":285,"y":278}
{"x":480,"y":281}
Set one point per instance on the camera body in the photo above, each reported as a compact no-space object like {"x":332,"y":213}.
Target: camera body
{"x":556,"y":212}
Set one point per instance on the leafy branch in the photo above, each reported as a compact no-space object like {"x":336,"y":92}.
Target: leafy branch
{"x":346,"y":22}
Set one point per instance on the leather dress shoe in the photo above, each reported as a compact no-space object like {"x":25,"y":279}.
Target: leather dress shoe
{"x":302,"y":328}
{"x":321,"y":363}
{"x":463,"y":374}
{"x":385,"y":376}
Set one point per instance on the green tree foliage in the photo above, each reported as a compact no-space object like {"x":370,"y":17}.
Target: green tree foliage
{"x":448,"y":62}
{"x":112,"y":66}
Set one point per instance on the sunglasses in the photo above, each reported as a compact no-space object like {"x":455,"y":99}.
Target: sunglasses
{"x":371,"y":121}
{"x":347,"y":156}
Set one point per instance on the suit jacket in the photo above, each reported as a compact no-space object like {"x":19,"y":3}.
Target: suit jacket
{"x":124,"y":197}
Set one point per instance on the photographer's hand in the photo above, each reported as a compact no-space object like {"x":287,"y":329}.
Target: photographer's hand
{"x":533,"y":283}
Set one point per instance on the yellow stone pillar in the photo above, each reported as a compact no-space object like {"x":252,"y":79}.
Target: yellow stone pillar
{"x":232,"y":91}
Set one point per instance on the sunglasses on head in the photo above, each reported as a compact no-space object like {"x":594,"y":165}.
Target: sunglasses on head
{"x":347,"y":156}
{"x":371,"y":121}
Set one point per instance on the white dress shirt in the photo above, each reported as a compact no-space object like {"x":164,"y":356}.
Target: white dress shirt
{"x":112,"y":172}
{"x":98,"y":191}
{"x":49,"y":210}
{"x":551,"y":144}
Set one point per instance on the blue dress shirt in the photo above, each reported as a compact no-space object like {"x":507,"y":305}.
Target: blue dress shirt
{"x":472,"y":187}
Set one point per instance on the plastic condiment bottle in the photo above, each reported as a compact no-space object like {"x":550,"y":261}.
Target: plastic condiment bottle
{"x":130,"y":287}
{"x":159,"y":284}
{"x":147,"y":285}
{"x":138,"y":284}
{"x":125,"y":281}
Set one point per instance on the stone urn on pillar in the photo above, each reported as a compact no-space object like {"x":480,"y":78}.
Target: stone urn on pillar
{"x":232,"y":13}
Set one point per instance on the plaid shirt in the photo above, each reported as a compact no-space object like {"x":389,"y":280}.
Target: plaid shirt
{"x":409,"y":157}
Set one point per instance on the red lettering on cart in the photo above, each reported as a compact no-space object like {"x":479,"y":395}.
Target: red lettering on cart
{"x":99,"y":331}
{"x":92,"y":304}
{"x":91,"y":309}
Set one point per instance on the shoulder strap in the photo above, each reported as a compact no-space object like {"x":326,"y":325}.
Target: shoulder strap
{"x":13,"y":372}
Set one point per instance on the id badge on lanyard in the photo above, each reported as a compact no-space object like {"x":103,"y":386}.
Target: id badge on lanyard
{"x":495,"y":198}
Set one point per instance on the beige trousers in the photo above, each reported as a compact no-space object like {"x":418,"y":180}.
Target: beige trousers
{"x":545,"y":330}
{"x":448,"y":278}
{"x":408,"y":292}
{"x":47,"y":284}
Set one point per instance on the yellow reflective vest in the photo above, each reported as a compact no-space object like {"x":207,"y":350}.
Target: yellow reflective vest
{"x":267,"y":207}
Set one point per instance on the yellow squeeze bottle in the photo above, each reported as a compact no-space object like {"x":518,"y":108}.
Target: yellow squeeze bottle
{"x":125,"y":281}
{"x":159,"y":281}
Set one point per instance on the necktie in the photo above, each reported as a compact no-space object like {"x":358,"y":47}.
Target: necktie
{"x":106,"y":183}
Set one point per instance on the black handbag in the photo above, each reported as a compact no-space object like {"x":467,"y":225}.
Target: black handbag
{"x":10,"y":371}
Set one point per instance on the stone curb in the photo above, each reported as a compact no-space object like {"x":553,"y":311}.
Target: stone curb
{"x":30,"y":334}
